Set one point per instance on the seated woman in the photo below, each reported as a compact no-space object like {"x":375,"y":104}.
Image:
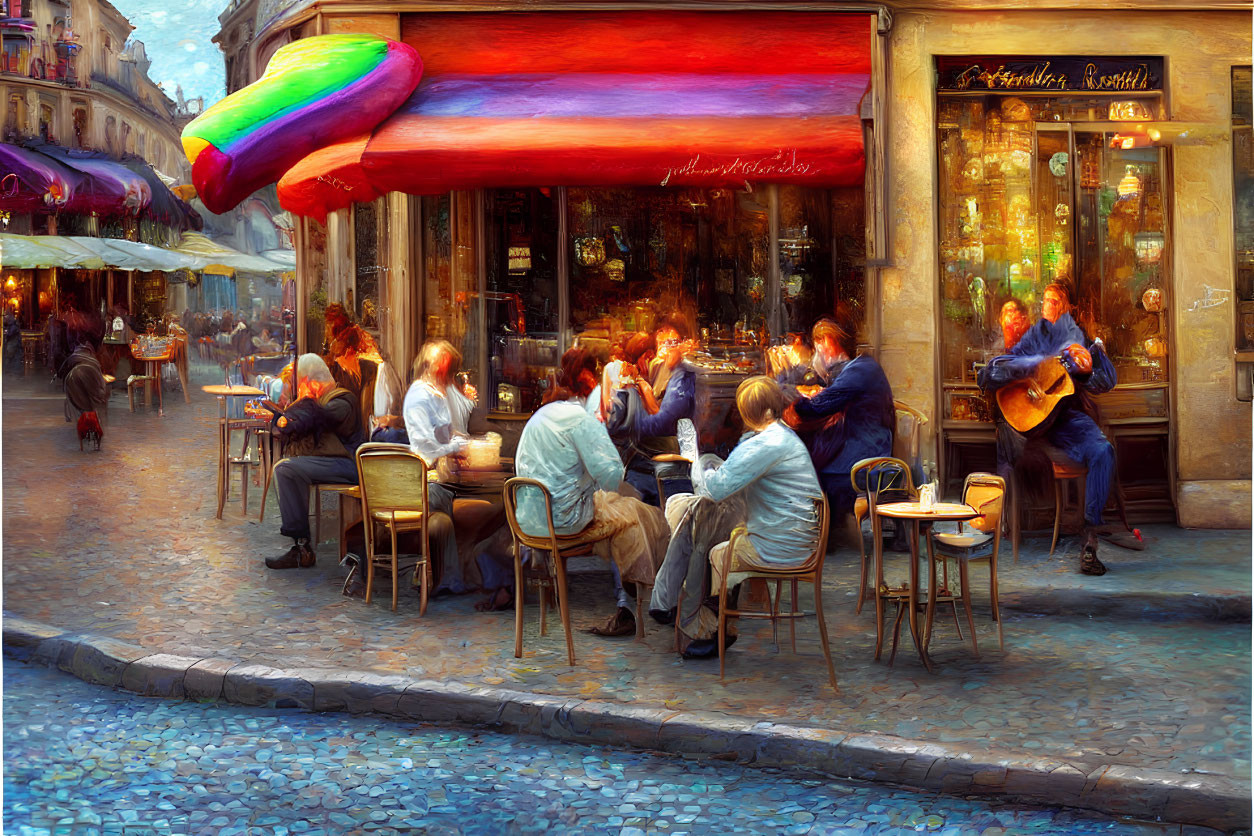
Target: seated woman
{"x":571,"y":454}
{"x":645,"y":426}
{"x":429,"y":426}
{"x":765,"y":491}
{"x":265,"y":343}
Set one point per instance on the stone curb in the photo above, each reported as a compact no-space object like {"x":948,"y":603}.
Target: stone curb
{"x":1151,"y":606}
{"x":1196,"y":799}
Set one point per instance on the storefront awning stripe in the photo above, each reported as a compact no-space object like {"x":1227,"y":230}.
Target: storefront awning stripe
{"x":645,"y":42}
{"x":435,"y":155}
{"x":617,"y":95}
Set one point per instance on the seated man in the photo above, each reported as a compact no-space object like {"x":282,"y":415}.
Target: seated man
{"x":825,"y":363}
{"x":1069,"y":428}
{"x":570,"y":453}
{"x":849,"y":420}
{"x":767,"y":487}
{"x":321,"y":430}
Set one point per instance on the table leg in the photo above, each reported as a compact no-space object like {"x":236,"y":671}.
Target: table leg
{"x":933,"y":590}
{"x":912,"y":612}
{"x":877,"y":545}
{"x":222,"y":454}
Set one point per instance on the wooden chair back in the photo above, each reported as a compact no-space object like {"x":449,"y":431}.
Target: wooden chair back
{"x":392,"y":478}
{"x":907,"y":431}
{"x":875,"y":475}
{"x":986,"y":493}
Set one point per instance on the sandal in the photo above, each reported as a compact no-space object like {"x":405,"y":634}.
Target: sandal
{"x":1089,"y":564}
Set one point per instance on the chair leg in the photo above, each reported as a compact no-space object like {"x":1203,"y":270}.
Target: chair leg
{"x":879,"y":599}
{"x":520,"y":591}
{"x":1057,"y":515}
{"x":901,"y":611}
{"x":317,"y":506}
{"x":543,"y":592}
{"x":722,"y":618}
{"x":265,"y":489}
{"x":424,"y":593}
{"x":965,"y":579}
{"x":679,"y":608}
{"x":1084,"y":519}
{"x":862,"y":579}
{"x":796,"y":610}
{"x":639,"y":611}
{"x":563,"y":604}
{"x":818,"y":613}
{"x":369,"y":559}
{"x":1014,"y":518}
{"x":396,"y":581}
{"x":992,"y":590}
{"x":779,"y":585}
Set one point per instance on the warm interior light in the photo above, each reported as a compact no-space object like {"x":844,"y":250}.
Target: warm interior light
{"x":1130,"y":185}
{"x":10,"y":284}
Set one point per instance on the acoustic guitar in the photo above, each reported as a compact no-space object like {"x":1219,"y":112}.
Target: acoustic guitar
{"x":1027,"y":402}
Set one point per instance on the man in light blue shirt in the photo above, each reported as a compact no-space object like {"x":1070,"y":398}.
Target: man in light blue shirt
{"x":768,"y":485}
{"x":569,"y":451}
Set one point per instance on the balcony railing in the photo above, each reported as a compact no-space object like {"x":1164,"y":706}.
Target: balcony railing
{"x":40,"y":59}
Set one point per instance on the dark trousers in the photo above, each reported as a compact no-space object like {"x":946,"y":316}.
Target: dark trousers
{"x":292,"y":479}
{"x":1078,"y":435}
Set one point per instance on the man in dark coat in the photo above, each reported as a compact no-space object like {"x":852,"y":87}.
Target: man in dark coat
{"x":851,"y":419}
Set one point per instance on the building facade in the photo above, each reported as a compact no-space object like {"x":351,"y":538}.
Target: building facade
{"x":1117,"y":159}
{"x":70,"y":75}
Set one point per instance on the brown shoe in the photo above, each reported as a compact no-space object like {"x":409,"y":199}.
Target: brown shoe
{"x":1089,"y":564}
{"x":298,"y":555}
{"x":621,"y":623}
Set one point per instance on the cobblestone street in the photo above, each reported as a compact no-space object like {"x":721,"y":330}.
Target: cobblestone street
{"x":192,"y":768}
{"x":1145,"y":667}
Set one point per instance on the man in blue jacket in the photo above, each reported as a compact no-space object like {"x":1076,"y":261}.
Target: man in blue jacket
{"x":1071,"y":428}
{"x":851,"y":419}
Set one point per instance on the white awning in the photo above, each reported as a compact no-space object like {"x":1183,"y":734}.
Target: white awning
{"x":79,"y":252}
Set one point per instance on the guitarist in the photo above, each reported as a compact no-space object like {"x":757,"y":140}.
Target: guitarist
{"x":1069,"y":427}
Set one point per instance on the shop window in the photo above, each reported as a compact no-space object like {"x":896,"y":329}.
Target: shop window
{"x":369,"y":284}
{"x":111,"y":134}
{"x":450,"y":280}
{"x":1243,"y":215}
{"x":128,"y":140}
{"x":139,"y":145}
{"x":521,"y":298}
{"x":1024,"y":202}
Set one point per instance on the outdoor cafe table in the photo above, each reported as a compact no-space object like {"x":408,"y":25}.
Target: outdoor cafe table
{"x":921,"y":520}
{"x":225,"y":425}
{"x":152,"y":370}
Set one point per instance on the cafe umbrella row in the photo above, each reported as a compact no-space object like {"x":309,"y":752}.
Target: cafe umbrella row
{"x":756,"y":171}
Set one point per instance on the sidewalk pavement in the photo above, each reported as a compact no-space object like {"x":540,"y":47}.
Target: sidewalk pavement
{"x":1141,"y":677}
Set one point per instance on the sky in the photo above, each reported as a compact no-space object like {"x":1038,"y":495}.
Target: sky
{"x":176,"y":34}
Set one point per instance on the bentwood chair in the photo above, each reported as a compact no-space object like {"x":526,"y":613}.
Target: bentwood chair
{"x":906,"y":432}
{"x":870,"y":478}
{"x":809,"y":572}
{"x":559,"y":548}
{"x":985,"y":493}
{"x":394,"y":496}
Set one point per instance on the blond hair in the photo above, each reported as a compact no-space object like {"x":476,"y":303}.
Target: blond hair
{"x":430,"y":353}
{"x":759,"y":400}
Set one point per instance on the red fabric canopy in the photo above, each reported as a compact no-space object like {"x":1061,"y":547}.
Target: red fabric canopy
{"x":610,"y":98}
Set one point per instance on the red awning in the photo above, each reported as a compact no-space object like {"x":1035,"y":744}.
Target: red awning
{"x":610,"y":98}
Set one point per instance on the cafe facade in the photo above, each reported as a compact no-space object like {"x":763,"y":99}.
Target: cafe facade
{"x":912,"y":168}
